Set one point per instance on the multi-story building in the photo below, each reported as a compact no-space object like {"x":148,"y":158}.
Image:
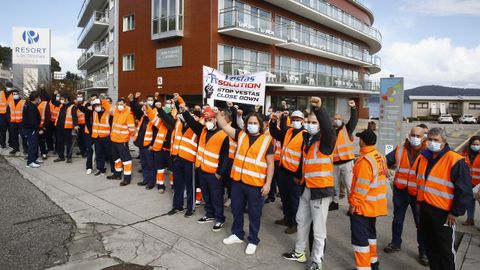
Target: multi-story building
{"x":308,"y":47}
{"x":97,"y":39}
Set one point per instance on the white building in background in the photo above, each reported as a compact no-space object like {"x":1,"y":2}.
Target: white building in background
{"x":97,"y":39}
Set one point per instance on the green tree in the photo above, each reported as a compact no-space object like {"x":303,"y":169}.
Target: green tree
{"x":6,"y":56}
{"x":54,"y":65}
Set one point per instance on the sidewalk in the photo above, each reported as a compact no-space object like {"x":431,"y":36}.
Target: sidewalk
{"x":128,"y":225}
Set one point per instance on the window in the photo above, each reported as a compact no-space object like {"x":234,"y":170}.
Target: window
{"x":128,"y":23}
{"x":237,"y":61}
{"x":167,"y":17}
{"x":474,"y":106}
{"x":422,"y":105}
{"x":128,"y":62}
{"x":453,"y":106}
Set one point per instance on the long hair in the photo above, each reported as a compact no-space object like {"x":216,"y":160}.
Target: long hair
{"x":466,"y":148}
{"x":260,"y":121}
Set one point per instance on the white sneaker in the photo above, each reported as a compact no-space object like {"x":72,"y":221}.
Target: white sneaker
{"x":227,"y":203}
{"x":89,"y":171}
{"x":39,"y":161}
{"x":33,"y":165}
{"x":232,"y":239}
{"x":251,"y":248}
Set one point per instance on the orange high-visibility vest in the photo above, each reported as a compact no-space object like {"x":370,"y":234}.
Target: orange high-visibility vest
{"x":369,"y":188}
{"x":317,"y":168}
{"x":80,"y":117}
{"x":250,"y":163}
{"x":148,"y":137}
{"x":474,"y":168}
{"x":161,"y":127}
{"x":402,"y":170}
{"x":184,"y":145}
{"x":123,"y":125}
{"x":232,"y":148}
{"x":68,"y":117}
{"x":3,"y":102}
{"x":16,"y":111}
{"x":53,"y":112}
{"x":208,"y":153}
{"x":42,"y":107}
{"x":291,"y":152}
{"x":344,"y":147}
{"x":437,"y":189}
{"x":101,"y":127}
{"x":278,"y":150}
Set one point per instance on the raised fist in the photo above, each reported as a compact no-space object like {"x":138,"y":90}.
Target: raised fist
{"x":229,"y":104}
{"x":239,"y":112}
{"x":316,"y":102}
{"x":351,"y":103}
{"x":130,"y":96}
{"x":138,"y":94}
{"x":158,"y":104}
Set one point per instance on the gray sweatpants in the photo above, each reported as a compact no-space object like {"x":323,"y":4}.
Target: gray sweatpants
{"x":342,"y":173}
{"x":308,"y":211}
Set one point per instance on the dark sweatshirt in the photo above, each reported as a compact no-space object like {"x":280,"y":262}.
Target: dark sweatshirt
{"x":137,"y":111}
{"x":88,"y":116}
{"x":279,"y":135}
{"x":31,"y":116}
{"x":461,"y":179}
{"x":351,"y":126}
{"x":327,"y":139}
{"x":63,"y":113}
{"x":198,"y":129}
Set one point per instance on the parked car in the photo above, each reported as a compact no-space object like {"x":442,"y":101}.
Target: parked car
{"x":445,"y":118}
{"x":467,"y":119}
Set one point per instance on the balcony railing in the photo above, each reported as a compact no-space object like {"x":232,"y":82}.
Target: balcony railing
{"x":341,"y":16}
{"x":298,"y":77}
{"x":236,"y":17}
{"x":97,"y":48}
{"x":318,"y":40}
{"x":94,"y":81}
{"x":97,"y":17}
{"x":84,"y":6}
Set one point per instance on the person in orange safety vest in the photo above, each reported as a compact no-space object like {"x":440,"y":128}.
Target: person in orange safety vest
{"x":15,"y":118}
{"x":66,"y":121}
{"x":472,"y":157}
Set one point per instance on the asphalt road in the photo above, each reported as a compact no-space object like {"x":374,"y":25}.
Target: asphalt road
{"x":34,"y":231}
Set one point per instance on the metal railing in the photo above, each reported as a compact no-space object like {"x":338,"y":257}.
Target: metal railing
{"x":97,"y":48}
{"x":97,"y":17}
{"x":236,"y":17}
{"x":342,"y":17}
{"x":94,"y":81}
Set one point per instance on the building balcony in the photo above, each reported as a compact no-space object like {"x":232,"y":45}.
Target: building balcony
{"x":94,"y":82}
{"x":97,"y":53}
{"x":316,"y":44}
{"x":97,"y":24}
{"x":240,"y":23}
{"x":301,"y":80}
{"x":167,"y":27}
{"x":326,"y":14}
{"x":87,"y":8}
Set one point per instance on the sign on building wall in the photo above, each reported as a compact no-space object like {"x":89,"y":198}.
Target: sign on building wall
{"x":169,"y":57}
{"x":391,"y":114}
{"x":246,"y":89}
{"x":31,"y":46}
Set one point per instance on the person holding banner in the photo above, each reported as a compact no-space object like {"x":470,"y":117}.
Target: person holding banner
{"x":316,"y":173}
{"x":252,"y":172}
{"x":404,"y":190}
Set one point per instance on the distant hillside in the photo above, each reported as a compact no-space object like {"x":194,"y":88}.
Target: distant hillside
{"x":436,"y":90}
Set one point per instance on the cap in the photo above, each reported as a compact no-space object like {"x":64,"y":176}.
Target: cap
{"x":95,"y":101}
{"x":368,"y":136}
{"x":208,"y":113}
{"x":297,"y":114}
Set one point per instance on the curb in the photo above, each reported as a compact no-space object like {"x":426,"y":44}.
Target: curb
{"x":462,"y":251}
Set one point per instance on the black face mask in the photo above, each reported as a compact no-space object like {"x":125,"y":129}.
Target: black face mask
{"x":197,"y":113}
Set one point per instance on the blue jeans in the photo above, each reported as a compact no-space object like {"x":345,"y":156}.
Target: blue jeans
{"x":32,"y":140}
{"x":212,"y":193}
{"x":148,"y":167}
{"x":401,"y":201}
{"x":183,"y":175}
{"x":241,"y":195}
{"x":471,"y":210}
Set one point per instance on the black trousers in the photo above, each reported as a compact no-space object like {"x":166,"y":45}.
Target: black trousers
{"x":15,"y":131}
{"x":64,"y":138}
{"x":438,"y":238}
{"x":50,"y":136}
{"x":81,"y":139}
{"x":3,"y":129}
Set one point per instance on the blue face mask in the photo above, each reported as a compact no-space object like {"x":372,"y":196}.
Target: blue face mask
{"x":475,"y":148}
{"x":253,"y":129}
{"x":415,"y":142}
{"x":434,"y":146}
{"x":312,"y":128}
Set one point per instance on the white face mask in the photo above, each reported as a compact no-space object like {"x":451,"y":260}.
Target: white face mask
{"x":57,"y":98}
{"x":475,"y":148}
{"x":313,"y":128}
{"x":415,"y":141}
{"x":120,"y":107}
{"x":98,"y":109}
{"x":434,"y":146}
{"x":297,"y":124}
{"x":63,"y":102}
{"x":210,"y":125}
{"x":180,"y":116}
{"x":253,"y":129}
{"x":338,"y":122}
{"x":79,"y":99}
{"x":150,"y":103}
{"x":16,"y":97}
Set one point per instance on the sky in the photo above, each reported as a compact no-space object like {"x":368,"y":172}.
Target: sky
{"x":425,"y":41}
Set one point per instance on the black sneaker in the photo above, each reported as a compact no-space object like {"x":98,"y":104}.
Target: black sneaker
{"x":205,"y":220}
{"x":59,"y":159}
{"x":98,"y":173}
{"x":268,"y":200}
{"x":333,"y":206}
{"x":188,"y":213}
{"x":148,"y":187}
{"x":218,"y":226}
{"x":124,"y":183}
{"x":294,"y":256}
{"x":423,"y":260}
{"x":69,"y":160}
{"x":114,"y":177}
{"x":143,"y":183}
{"x":390,"y":248}
{"x":13,"y":152}
{"x":4,"y":146}
{"x":174,"y":211}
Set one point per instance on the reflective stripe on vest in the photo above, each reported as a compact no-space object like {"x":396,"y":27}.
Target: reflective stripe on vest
{"x":344,"y":149}
{"x":232,"y":148}
{"x":41,"y":109}
{"x":3,"y":102}
{"x":474,"y":168}
{"x":317,"y":168}
{"x":292,"y":150}
{"x":208,"y":152}
{"x":80,"y":117}
{"x":184,"y":144}
{"x":101,"y":127}
{"x":16,"y":111}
